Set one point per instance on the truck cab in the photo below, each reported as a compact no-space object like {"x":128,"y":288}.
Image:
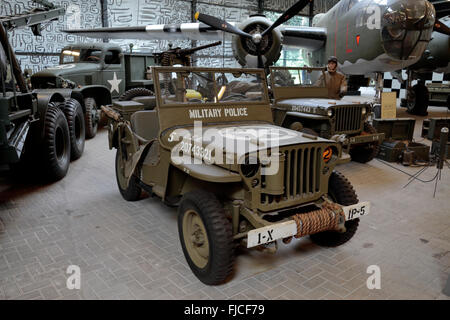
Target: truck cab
{"x":97,"y":64}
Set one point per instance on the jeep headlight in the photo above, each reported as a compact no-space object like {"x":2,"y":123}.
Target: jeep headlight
{"x":330,"y":112}
{"x":364,"y":111}
{"x":64,"y":84}
{"x":250,"y":167}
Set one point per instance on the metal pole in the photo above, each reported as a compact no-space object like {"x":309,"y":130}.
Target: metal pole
{"x":104,"y":15}
{"x":311,"y":12}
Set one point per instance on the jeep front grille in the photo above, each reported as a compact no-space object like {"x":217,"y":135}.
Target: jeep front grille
{"x":348,"y":119}
{"x":302,"y":176}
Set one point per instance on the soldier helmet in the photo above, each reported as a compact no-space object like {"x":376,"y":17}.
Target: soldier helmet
{"x":333,"y":59}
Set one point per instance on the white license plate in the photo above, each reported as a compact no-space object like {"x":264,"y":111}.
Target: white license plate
{"x":357,"y":210}
{"x":286,"y":229}
{"x":271,"y":233}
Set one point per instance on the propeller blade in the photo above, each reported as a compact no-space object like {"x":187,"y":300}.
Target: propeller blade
{"x":288,"y":14}
{"x":441,"y":28}
{"x":220,"y":24}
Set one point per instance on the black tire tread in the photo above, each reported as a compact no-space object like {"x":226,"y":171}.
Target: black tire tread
{"x":135,"y":92}
{"x":50,"y":162}
{"x":345,"y":195}
{"x":220,"y":236}
{"x":368,"y":152}
{"x":70,"y":109}
{"x":91,"y":126}
{"x":133,"y":191}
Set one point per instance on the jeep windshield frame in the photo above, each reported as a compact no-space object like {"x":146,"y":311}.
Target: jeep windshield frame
{"x":297,"y":82}
{"x":175,"y":109}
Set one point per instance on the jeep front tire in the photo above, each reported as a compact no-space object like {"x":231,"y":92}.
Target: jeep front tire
{"x":206,"y":237}
{"x":341,"y":191}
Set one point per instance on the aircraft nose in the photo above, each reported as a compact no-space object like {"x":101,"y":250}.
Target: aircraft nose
{"x":406,"y":28}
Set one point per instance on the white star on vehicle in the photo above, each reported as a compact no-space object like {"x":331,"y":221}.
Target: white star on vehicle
{"x":115,"y":83}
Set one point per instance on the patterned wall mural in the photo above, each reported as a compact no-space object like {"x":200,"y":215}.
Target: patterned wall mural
{"x":81,"y":12}
{"x":87,"y":14}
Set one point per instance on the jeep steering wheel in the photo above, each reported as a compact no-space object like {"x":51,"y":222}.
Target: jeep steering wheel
{"x":234,"y":95}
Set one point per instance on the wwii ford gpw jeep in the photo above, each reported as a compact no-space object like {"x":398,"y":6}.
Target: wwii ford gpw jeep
{"x":301,"y":103}
{"x":235,"y":176}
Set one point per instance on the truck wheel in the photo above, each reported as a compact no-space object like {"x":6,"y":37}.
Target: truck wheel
{"x":135,"y":92}
{"x":132,"y":191}
{"x":75,"y":119}
{"x":206,"y":237}
{"x":341,"y":191}
{"x":91,"y":117}
{"x":367,"y":152}
{"x":56,"y":151}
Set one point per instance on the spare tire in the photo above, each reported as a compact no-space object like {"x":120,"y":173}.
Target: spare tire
{"x":135,"y":92}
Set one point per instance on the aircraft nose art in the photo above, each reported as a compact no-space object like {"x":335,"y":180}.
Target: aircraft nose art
{"x":406,"y":28}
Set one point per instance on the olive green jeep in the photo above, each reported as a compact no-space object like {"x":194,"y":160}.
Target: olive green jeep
{"x":301,"y":103}
{"x":211,"y":148}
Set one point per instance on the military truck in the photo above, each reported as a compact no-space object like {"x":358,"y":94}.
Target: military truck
{"x":236,"y":177}
{"x":96,"y":73}
{"x":41,"y":126}
{"x":301,"y":103}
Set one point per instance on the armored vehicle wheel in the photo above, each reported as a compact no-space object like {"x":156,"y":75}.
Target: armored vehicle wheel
{"x":75,"y":119}
{"x":206,"y":237}
{"x":132,"y":191}
{"x":135,"y":92}
{"x":367,"y":152}
{"x":91,"y":117}
{"x":56,"y":150}
{"x":340,"y":191}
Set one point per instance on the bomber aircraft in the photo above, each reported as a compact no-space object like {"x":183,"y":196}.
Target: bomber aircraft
{"x":367,"y":36}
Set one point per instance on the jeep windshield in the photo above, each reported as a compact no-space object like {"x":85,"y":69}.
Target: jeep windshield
{"x":81,"y":55}
{"x":213,"y":96}
{"x":296,"y":77}
{"x":209,"y":86}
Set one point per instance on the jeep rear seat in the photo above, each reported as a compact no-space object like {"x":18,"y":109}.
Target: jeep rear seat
{"x":145,"y":124}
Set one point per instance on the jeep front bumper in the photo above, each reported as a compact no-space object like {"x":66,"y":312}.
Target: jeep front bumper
{"x":328,"y":218}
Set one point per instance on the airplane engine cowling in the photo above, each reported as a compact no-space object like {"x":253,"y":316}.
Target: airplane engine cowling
{"x":244,"y":49}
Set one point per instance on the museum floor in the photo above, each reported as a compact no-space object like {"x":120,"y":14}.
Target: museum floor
{"x":131,"y":250}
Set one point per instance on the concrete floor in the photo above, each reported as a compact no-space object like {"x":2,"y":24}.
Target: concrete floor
{"x":132,"y":251}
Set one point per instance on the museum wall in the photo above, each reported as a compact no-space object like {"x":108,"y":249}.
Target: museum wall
{"x":38,"y":52}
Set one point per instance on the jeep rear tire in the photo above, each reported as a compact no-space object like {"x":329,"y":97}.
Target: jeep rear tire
{"x":131,"y":191}
{"x":91,"y":117}
{"x":367,"y":152}
{"x":75,"y":119}
{"x":341,"y":191}
{"x":206,"y":237}
{"x":56,"y":143}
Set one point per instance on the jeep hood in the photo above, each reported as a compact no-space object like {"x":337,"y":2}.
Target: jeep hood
{"x":313,"y":103}
{"x":68,"y":69}
{"x":238,"y":141}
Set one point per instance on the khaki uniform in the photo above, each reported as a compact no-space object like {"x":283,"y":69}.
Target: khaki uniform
{"x":335,"y":82}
